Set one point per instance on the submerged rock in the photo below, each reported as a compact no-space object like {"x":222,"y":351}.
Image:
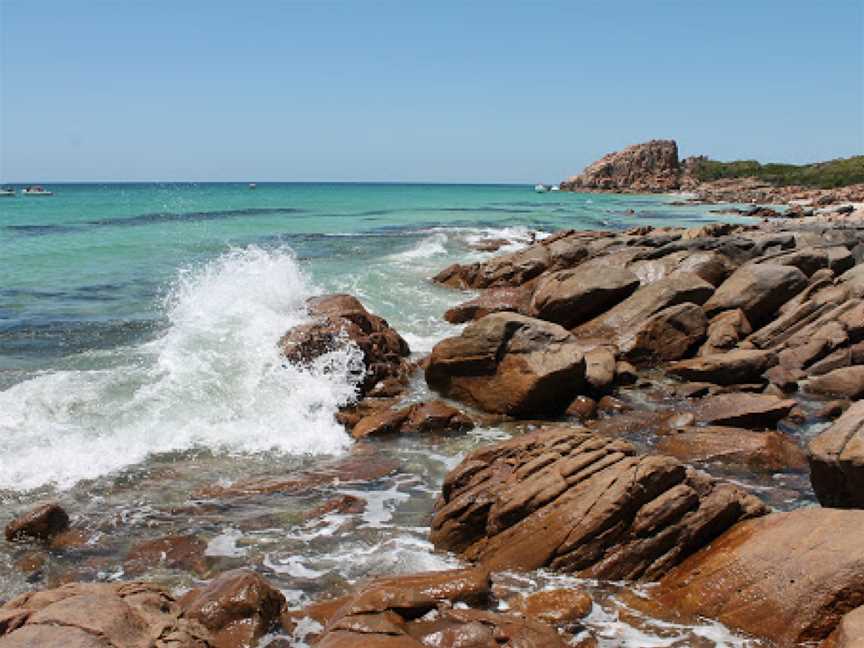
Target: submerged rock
{"x":509,"y":364}
{"x":740,"y":409}
{"x":42,"y":523}
{"x":759,"y":451}
{"x":786,"y":577}
{"x":580,"y":503}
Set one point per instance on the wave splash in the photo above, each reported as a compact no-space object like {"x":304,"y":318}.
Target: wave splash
{"x":214,"y":379}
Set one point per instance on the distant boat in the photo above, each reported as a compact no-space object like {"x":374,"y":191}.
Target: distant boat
{"x":555,"y":188}
{"x":541,"y":188}
{"x":36,"y":190}
{"x":252,"y":185}
{"x":7,"y":191}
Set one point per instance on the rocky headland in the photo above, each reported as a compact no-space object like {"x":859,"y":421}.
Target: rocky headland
{"x":648,"y":379}
{"x":654,"y":167}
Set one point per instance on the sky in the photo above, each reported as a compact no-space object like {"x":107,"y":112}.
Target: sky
{"x":469,"y":91}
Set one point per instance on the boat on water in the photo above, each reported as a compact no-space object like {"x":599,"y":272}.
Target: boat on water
{"x":554,"y":188}
{"x":36,"y":190}
{"x":252,"y":185}
{"x":539,"y":188}
{"x":7,"y":191}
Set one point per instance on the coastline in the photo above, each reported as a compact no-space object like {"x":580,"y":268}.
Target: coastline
{"x":674,"y":354}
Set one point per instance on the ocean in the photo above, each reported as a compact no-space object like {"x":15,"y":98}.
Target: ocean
{"x":139,"y":364}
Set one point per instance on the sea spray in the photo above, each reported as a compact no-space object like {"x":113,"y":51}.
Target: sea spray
{"x":214,"y":379}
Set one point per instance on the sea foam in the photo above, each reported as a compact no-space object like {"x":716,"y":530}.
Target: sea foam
{"x":214,"y":379}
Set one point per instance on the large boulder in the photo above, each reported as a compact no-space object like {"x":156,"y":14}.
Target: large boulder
{"x":509,"y":364}
{"x":342,"y":318}
{"x":99,"y":615}
{"x":652,"y":166}
{"x":837,"y":461}
{"x":571,"y":297}
{"x":758,"y":290}
{"x":785,"y":577}
{"x":583,"y":504}
{"x":677,"y":288}
{"x":740,"y":366}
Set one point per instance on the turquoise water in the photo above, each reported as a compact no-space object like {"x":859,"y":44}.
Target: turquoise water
{"x":89,"y":267}
{"x":139,"y":364}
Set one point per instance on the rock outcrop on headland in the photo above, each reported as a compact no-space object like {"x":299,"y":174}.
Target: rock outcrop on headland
{"x":646,"y":168}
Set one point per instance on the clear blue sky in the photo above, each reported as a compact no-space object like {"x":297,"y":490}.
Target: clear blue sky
{"x":439,"y":91}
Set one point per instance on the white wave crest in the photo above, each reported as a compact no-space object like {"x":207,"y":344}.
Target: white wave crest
{"x":428,"y":247}
{"x":215,"y":379}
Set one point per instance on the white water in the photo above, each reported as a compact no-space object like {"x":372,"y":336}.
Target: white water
{"x":214,"y":379}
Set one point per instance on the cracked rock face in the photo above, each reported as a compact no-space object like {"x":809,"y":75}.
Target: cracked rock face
{"x":582,"y":504}
{"x":99,"y":615}
{"x":652,"y":166}
{"x":836,"y":459}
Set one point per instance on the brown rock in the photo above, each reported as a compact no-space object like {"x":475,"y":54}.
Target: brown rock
{"x":761,"y":451}
{"x":342,"y":317}
{"x":725,"y":330}
{"x":793,"y":597}
{"x":509,"y":364}
{"x":600,"y":368}
{"x":739,"y":409}
{"x":677,"y":288}
{"x":564,"y":250}
{"x":381,"y":423}
{"x":436,"y":416}
{"x":849,"y":633}
{"x":758,"y":290}
{"x":845,"y":382}
{"x":731,"y":368}
{"x":667,"y":335}
{"x":491,"y":300}
{"x":238,"y":608}
{"x":42,"y":523}
{"x":837,"y":461}
{"x":580,"y":503}
{"x":571,"y":297}
{"x":173,"y":552}
{"x":99,"y":615}
{"x":342,"y":504}
{"x":583,"y":408}
{"x":555,"y":606}
{"x":652,"y":166}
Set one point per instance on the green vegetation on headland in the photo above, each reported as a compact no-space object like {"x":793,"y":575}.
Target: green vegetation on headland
{"x":824,"y":175}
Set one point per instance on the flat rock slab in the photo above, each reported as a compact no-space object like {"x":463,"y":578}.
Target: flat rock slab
{"x":787,"y":577}
{"x":582,"y":504}
{"x":759,"y":451}
{"x":741,"y":409}
{"x":736,"y":367}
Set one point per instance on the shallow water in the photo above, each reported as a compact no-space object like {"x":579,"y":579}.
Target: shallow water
{"x":139,"y":370}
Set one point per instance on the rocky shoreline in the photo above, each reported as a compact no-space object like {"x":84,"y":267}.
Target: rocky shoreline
{"x":649,"y":377}
{"x":654,"y":167}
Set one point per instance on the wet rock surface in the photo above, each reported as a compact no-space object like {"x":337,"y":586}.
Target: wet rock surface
{"x":741,"y":580}
{"x":584,"y":504}
{"x":836,"y":459}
